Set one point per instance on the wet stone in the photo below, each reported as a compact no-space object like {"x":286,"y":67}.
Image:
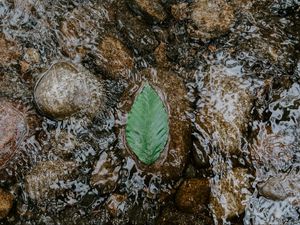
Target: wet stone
{"x":65,"y":90}
{"x":152,"y":10}
{"x":172,"y":160}
{"x":106,"y":173}
{"x":281,"y":187}
{"x":193,"y":196}
{"x":49,"y":179}
{"x":6,"y":203}
{"x":229,"y":195}
{"x":222,"y":116}
{"x":13,"y":129}
{"x":114,"y":58}
{"x":210,"y":19}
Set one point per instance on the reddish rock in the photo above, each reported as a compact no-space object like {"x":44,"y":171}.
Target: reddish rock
{"x":13,"y":129}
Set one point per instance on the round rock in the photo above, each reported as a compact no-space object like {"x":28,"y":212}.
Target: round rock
{"x":65,"y":90}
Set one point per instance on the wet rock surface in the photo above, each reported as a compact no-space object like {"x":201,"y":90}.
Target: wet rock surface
{"x":65,"y":90}
{"x":223,"y":52}
{"x":151,"y":10}
{"x":193,"y":196}
{"x":49,"y":179}
{"x":229,"y":195}
{"x":223,"y":112}
{"x":6,"y":200}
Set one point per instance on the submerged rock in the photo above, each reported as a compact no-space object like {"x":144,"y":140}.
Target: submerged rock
{"x":229,"y":195}
{"x":13,"y":129}
{"x":106,"y":173}
{"x":193,"y":196}
{"x":6,"y":203}
{"x":222,"y":115}
{"x":206,"y":19}
{"x":137,"y":34}
{"x":172,"y":159}
{"x":49,"y":179}
{"x":281,"y":187}
{"x":152,"y":10}
{"x":115,"y":59}
{"x":65,"y":90}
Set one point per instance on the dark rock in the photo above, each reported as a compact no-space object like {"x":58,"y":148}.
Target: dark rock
{"x":138,"y":35}
{"x":172,"y":216}
{"x":6,"y":203}
{"x":193,"y":196}
{"x":172,"y":160}
{"x":106,"y":173}
{"x":152,"y":10}
{"x":65,"y":90}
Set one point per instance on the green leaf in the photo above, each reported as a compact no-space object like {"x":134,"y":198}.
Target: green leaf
{"x":147,"y":128}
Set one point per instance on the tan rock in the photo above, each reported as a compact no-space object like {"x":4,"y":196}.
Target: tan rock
{"x":212,"y":18}
{"x":66,"y":89}
{"x":6,"y":203}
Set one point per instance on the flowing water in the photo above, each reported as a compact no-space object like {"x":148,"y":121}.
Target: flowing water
{"x":244,"y":94}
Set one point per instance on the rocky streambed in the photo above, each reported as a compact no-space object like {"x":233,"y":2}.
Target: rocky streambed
{"x":143,"y":112}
